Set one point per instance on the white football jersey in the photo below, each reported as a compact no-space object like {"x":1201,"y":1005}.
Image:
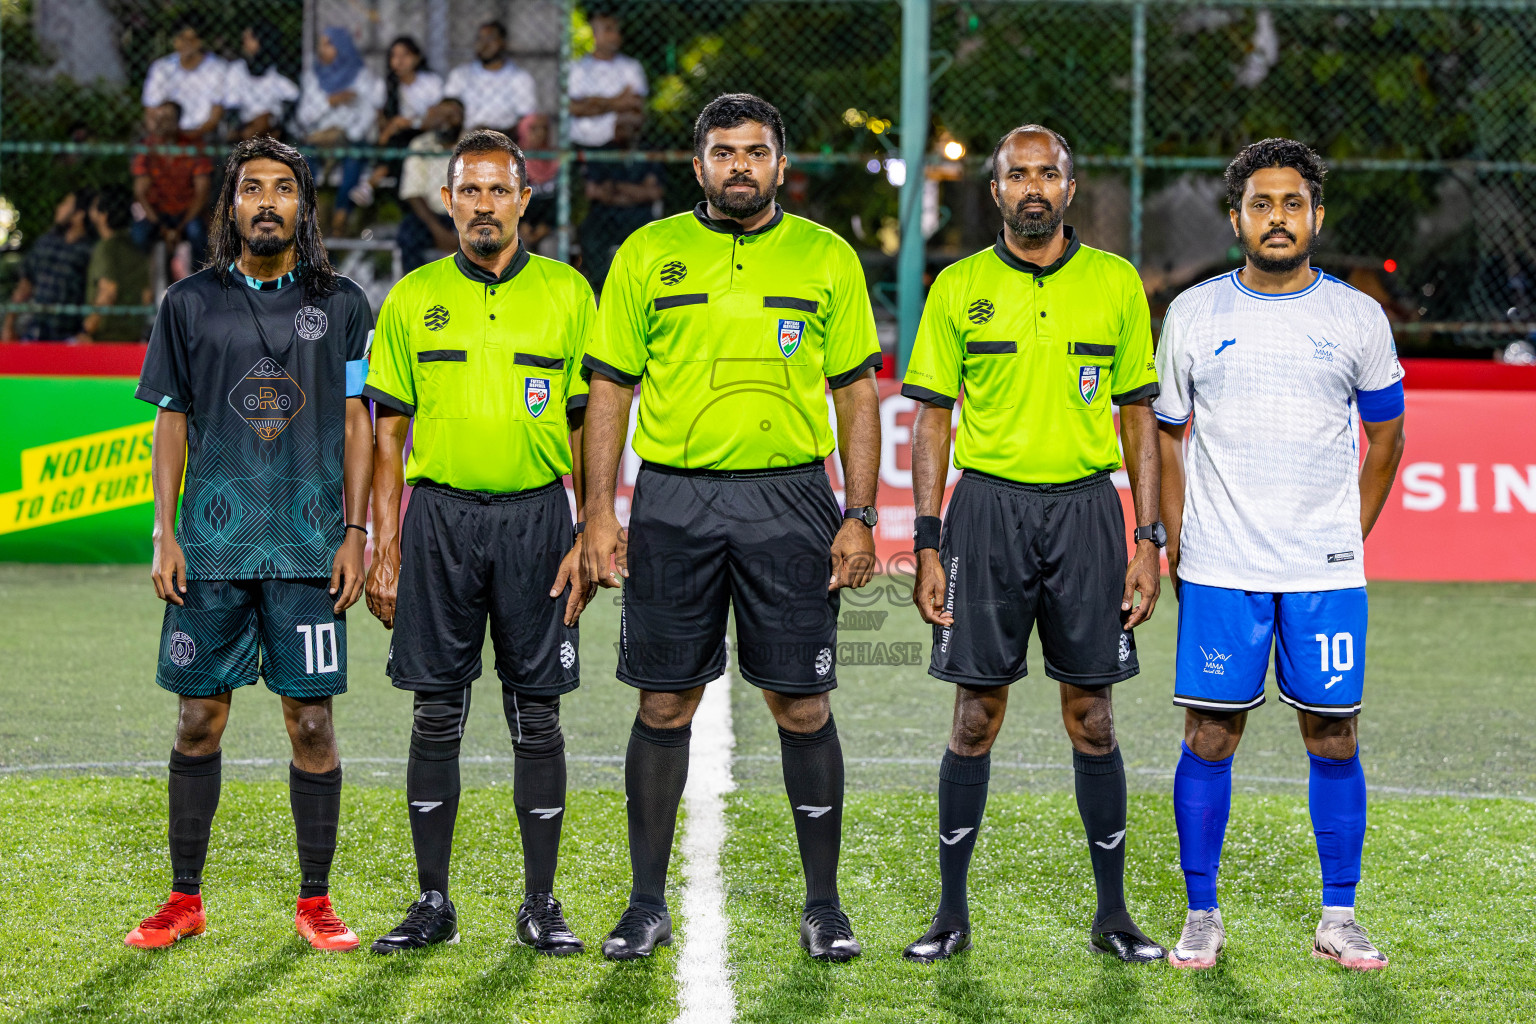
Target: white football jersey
{"x":1272,"y":502}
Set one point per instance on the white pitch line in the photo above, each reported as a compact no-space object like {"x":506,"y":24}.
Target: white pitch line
{"x":704,"y":992}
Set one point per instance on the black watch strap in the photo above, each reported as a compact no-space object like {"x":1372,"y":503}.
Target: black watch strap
{"x":1154,"y":532}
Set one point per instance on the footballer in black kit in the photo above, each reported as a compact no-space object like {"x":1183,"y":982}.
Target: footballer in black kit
{"x":256,"y":365}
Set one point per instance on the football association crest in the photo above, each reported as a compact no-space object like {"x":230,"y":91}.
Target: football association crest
{"x":790,"y":332}
{"x":536,"y":395}
{"x":267,"y":398}
{"x":310,"y":322}
{"x":1088,"y":383}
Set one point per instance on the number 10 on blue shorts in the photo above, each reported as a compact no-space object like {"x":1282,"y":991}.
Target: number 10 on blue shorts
{"x":1225,"y":637}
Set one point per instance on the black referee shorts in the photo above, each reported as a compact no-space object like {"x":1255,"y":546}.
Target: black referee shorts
{"x":704,"y":542}
{"x":466,"y":556}
{"x":1016,"y":554}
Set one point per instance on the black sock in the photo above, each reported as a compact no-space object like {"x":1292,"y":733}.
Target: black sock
{"x":432,"y":792}
{"x":194,"y":797}
{"x":962,"y":799}
{"x":1101,"y":802}
{"x":538,"y":784}
{"x":655,"y":769}
{"x":316,"y":802}
{"x":813,"y":778}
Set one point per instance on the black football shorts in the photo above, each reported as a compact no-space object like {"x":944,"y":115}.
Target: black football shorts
{"x":702,"y":543}
{"x":1019,"y":554}
{"x":468,"y":556}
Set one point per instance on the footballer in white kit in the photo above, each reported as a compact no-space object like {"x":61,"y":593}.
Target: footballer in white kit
{"x":1271,"y":370}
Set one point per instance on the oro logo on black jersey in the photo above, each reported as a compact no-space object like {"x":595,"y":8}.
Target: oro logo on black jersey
{"x":268,"y":398}
{"x":436,"y":318}
{"x":980,"y":311}
{"x":673,"y":272}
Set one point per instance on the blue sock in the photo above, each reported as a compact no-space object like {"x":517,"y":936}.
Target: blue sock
{"x":1202,"y":800}
{"x":1336,"y":798}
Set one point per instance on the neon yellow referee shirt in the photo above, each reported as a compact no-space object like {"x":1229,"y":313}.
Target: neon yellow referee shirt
{"x":1041,"y":352}
{"x":488,"y":366}
{"x":734,"y":337}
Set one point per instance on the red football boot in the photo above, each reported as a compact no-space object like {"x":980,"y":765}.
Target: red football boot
{"x":321,"y":928}
{"x":178,"y":917}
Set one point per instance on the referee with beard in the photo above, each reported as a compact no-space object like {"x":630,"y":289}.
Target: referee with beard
{"x":734,"y":318}
{"x":1044,"y":334}
{"x":483,"y":351}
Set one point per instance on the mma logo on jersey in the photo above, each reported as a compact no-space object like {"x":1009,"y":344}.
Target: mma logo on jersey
{"x":268,"y":398}
{"x":1322,"y":348}
{"x":536,"y":395}
{"x":310,"y":322}
{"x":1215,"y":661}
{"x":790,"y":332}
{"x":1088,"y":383}
{"x":980,"y":311}
{"x":673,"y":272}
{"x":183,"y":650}
{"x":436,"y":318}
{"x":567,"y":655}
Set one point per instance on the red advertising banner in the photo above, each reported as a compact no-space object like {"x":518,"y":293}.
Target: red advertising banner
{"x":1463,"y":507}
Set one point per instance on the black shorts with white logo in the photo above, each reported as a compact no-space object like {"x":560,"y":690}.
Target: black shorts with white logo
{"x":466,"y":556}
{"x":704,"y":542}
{"x":1017,"y":554}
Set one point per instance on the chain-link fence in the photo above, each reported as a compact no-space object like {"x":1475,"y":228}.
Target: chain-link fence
{"x":1425,"y":109}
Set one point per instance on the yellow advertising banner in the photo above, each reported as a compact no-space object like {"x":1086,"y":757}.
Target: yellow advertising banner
{"x":80,"y":476}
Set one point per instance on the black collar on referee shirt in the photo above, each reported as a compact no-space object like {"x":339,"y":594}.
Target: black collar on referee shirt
{"x":1024,"y":266}
{"x":475,"y":272}
{"x":726,"y":226}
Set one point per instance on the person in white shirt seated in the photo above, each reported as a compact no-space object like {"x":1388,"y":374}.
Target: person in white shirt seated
{"x":192,"y":78}
{"x":410,"y":90}
{"x":496,"y":93}
{"x":424,"y":224}
{"x":604,"y":85}
{"x":255,"y":90}
{"x":339,"y":101}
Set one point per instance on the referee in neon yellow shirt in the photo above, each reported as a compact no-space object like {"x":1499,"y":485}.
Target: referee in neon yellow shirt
{"x":482,"y":350}
{"x":1043,"y":334}
{"x":734,"y":319}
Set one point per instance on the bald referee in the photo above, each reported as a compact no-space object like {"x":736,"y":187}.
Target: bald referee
{"x":483,"y":350}
{"x":734,"y":319}
{"x":1043,"y":334}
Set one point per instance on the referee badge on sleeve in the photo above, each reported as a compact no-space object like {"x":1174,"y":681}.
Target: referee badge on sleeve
{"x":1088,"y":383}
{"x":790,"y":332}
{"x":536,"y":395}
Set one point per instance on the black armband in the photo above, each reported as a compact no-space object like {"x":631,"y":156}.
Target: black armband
{"x":926,"y":532}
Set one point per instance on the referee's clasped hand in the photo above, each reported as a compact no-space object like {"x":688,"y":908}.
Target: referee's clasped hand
{"x":572,"y":574}
{"x":1141,"y":577}
{"x":853,"y":556}
{"x":604,"y":553}
{"x":384,"y":580}
{"x":928,"y":594}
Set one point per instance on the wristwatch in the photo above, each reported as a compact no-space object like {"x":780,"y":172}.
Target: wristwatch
{"x":1154,"y":533}
{"x":865,"y":514}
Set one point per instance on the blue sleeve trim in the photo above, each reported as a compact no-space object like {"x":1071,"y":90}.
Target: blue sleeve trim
{"x":1174,"y":420}
{"x":1381,"y":406}
{"x":357,"y":376}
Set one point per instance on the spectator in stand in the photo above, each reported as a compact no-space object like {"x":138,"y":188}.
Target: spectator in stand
{"x":255,"y":89}
{"x":172,"y":189}
{"x":191,"y":77}
{"x":410,"y":90}
{"x":339,"y":101}
{"x":604,"y":85}
{"x":118,"y":274}
{"x":496,"y":93}
{"x":53,"y":273}
{"x":538,"y":220}
{"x":621,"y":196}
{"x":425,"y":225}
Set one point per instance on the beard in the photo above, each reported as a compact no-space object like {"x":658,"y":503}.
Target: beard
{"x":263,"y":244}
{"x":738,"y":206}
{"x":485,"y":246}
{"x":1029,"y":224}
{"x":1261,"y":260}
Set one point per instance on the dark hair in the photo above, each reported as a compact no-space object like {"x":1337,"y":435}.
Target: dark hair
{"x":1021,"y":129}
{"x":116,"y":204}
{"x":392,"y":80}
{"x":734,"y":109}
{"x":173,"y":103}
{"x":316,"y":275}
{"x":83,"y":197}
{"x":486,"y":140}
{"x":1276,"y":153}
{"x":500,"y":27}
